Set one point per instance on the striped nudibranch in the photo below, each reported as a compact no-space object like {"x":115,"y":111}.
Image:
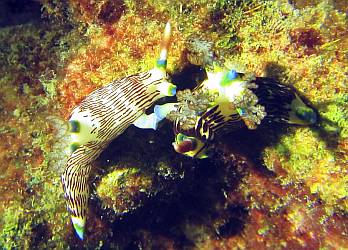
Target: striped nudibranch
{"x":239,"y":102}
{"x":101,"y":117}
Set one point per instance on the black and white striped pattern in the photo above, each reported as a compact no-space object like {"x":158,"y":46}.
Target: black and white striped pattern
{"x":107,"y":111}
{"x":214,"y":122}
{"x":275,"y":97}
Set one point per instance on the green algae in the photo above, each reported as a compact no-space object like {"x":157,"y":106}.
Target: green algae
{"x":337,"y":112}
{"x":116,"y":190}
{"x":29,"y":64}
{"x":49,"y":84}
{"x":129,"y":184}
{"x":307,"y":159}
{"x":16,"y":228}
{"x":227,"y":18}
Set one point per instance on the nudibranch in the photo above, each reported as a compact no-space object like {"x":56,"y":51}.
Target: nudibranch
{"x":226,"y":101}
{"x":104,"y":115}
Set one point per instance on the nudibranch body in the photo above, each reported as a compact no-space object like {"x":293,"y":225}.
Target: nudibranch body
{"x":104,"y":115}
{"x":221,"y":103}
{"x":231,"y":101}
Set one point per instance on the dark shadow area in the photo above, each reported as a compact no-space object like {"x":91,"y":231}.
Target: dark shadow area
{"x":189,"y":77}
{"x":192,"y":194}
{"x":329,"y":131}
{"x":41,"y":233}
{"x":235,"y":224}
{"x":251,"y":143}
{"x":15,"y":12}
{"x":329,"y":136}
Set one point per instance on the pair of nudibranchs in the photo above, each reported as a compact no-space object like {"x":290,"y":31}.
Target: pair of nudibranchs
{"x":109,"y":111}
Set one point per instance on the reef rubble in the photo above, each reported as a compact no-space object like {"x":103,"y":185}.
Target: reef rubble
{"x":277,"y":187}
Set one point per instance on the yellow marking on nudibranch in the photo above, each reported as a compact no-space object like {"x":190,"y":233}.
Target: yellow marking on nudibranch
{"x":228,"y":84}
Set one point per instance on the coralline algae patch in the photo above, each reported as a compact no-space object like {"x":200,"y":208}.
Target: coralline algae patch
{"x":114,"y":51}
{"x":274,"y":38}
{"x":30,"y":183}
{"x":278,"y":216}
{"x":127,"y":180}
{"x":287,"y":216}
{"x":104,"y":11}
{"x":30,"y":187}
{"x":298,"y":46}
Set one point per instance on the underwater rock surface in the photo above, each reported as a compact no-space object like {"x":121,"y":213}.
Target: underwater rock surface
{"x":278,"y":187}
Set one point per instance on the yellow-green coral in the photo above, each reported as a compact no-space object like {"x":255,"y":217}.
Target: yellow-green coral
{"x":336,"y":112}
{"x":307,"y":159}
{"x":120,"y":189}
{"x":17,"y":228}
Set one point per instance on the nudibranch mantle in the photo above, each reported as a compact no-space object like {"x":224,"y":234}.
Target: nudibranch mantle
{"x":227,"y":84}
{"x":104,"y":115}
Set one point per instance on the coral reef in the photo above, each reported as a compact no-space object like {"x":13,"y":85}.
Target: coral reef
{"x":278,"y":187}
{"x":200,"y":52}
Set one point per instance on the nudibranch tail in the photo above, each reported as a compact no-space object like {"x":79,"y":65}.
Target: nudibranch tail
{"x":301,"y":114}
{"x":76,"y":190}
{"x":79,"y":226}
{"x":282,"y":103}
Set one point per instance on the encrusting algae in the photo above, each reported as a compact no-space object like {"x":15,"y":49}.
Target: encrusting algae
{"x":273,"y":187}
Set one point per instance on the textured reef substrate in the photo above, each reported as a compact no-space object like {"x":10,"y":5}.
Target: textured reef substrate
{"x":279,"y":187}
